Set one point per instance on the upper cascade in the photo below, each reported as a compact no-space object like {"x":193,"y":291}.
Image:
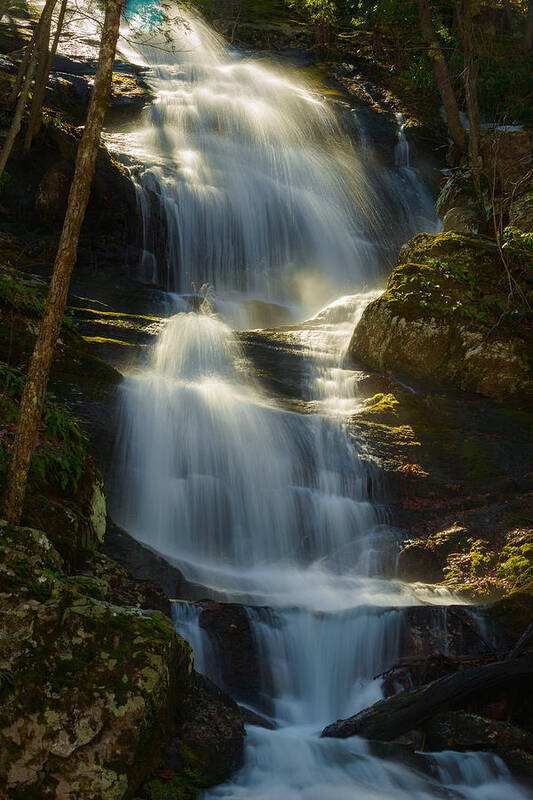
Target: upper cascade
{"x":248,"y":180}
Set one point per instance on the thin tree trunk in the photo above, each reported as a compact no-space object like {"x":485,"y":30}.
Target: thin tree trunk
{"x":19,"y":111}
{"x":464,"y":15}
{"x":42,"y":47}
{"x":14,"y":128}
{"x":32,"y":402}
{"x":442,"y":75}
{"x":529,"y":26}
{"x":41,"y":81}
{"x":23,"y":67}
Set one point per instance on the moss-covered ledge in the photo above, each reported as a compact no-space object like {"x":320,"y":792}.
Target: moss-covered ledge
{"x":456,"y":312}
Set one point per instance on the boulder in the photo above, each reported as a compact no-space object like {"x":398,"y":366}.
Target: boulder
{"x":211,"y":731}
{"x":456,"y":192}
{"x":88,"y":687}
{"x":228,"y":628}
{"x":92,"y":692}
{"x":144,"y":563}
{"x":454,"y":631}
{"x":460,"y":220}
{"x":425,"y":559}
{"x":445,"y":318}
{"x":460,"y":730}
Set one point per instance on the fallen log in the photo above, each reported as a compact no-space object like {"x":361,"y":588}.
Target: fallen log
{"x":397,"y":715}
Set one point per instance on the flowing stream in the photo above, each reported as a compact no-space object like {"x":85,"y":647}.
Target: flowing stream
{"x":254,"y":195}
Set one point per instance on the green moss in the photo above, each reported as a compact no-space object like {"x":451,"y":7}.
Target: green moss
{"x":459,"y":276}
{"x":181,"y":787}
{"x":90,"y":587}
{"x":514,"y":612}
{"x":61,"y":453}
{"x":516,"y":559}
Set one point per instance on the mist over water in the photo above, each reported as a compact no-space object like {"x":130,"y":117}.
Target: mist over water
{"x":248,"y":184}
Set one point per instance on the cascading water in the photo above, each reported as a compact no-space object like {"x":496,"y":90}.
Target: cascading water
{"x":248,"y":185}
{"x":249,"y":181}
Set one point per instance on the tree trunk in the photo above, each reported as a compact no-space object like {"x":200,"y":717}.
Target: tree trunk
{"x":529,"y":26}
{"x":19,"y":111}
{"x":442,"y":75}
{"x":23,"y":67}
{"x":14,"y":128}
{"x":404,"y":712}
{"x":32,"y":402}
{"x":464,"y":15}
{"x":42,"y":48}
{"x":42,"y":80}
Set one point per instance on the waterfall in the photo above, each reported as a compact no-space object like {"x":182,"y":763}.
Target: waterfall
{"x":249,"y":187}
{"x":248,"y":182}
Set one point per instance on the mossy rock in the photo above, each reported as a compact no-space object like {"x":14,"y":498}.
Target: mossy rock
{"x":89,"y":688}
{"x":96,"y":698}
{"x":446,"y":317}
{"x":466,"y":732}
{"x":514,"y":612}
{"x":425,"y":559}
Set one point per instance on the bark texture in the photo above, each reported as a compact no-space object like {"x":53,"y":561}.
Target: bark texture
{"x":43,"y":73}
{"x":28,"y":53}
{"x":464,"y":15}
{"x":42,"y":25}
{"x":442,"y":75}
{"x":34,"y":391}
{"x":397,"y":715}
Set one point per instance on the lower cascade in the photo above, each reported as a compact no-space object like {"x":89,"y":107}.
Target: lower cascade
{"x":264,"y":498}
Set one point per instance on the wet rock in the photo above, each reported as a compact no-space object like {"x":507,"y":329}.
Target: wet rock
{"x":425,"y":559}
{"x":460,"y":730}
{"x":417,"y":672}
{"x":143,"y":563}
{"x":252,"y":718}
{"x":441,"y":640}
{"x":129,"y":96}
{"x":266,"y":315}
{"x":229,"y":630}
{"x":211,"y":731}
{"x":453,"y":631}
{"x":443,"y":319}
